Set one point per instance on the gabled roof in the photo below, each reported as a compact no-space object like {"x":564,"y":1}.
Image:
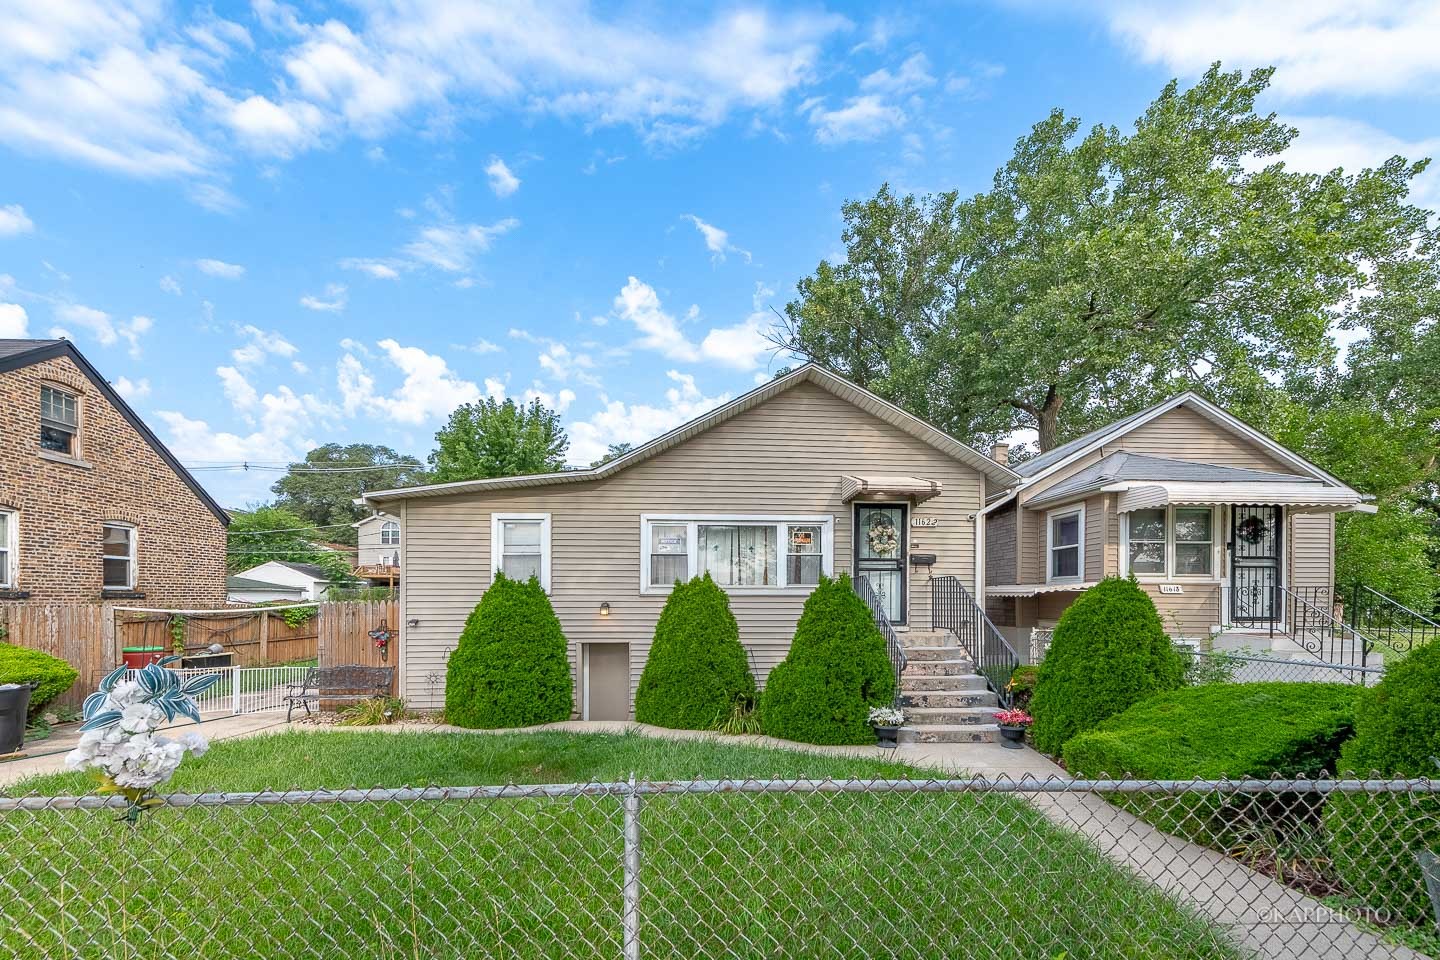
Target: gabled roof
{"x":1052,"y":460}
{"x":237,"y":582}
{"x":309,"y":569}
{"x":808,"y":373}
{"x":1122,"y":466}
{"x":374,"y":516}
{"x":16,"y":354}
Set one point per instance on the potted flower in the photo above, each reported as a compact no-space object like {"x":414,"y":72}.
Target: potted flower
{"x":1013,"y":724}
{"x":887,"y":722}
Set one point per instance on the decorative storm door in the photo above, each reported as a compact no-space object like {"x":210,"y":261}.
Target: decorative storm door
{"x":880,"y":554}
{"x":1255,"y":537}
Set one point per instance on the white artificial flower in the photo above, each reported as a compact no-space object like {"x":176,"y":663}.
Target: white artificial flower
{"x":194,"y":744}
{"x":141,"y":718}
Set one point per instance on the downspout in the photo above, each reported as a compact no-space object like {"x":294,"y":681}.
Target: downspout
{"x":980,"y":548}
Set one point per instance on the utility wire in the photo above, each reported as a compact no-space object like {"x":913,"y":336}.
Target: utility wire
{"x":250,"y":465}
{"x":318,"y":526}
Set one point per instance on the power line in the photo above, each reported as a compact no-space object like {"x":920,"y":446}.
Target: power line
{"x":249,"y":465}
{"x":318,"y":526}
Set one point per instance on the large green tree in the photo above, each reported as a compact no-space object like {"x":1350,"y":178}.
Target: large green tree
{"x":498,"y":439}
{"x":267,"y":533}
{"x":322,"y":488}
{"x":1103,"y":270}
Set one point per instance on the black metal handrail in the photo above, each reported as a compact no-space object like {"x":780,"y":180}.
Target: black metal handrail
{"x":893,"y":647}
{"x":953,"y":608}
{"x":1304,"y":615}
{"x":1385,"y":620}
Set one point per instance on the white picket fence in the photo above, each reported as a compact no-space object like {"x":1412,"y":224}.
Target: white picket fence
{"x":243,"y":689}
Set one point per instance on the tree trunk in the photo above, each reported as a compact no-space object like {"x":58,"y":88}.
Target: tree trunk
{"x":1047,"y":420}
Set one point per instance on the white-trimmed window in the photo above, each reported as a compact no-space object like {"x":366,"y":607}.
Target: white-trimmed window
{"x":520,"y":546}
{"x":59,"y":421}
{"x":389,"y":534}
{"x":9,"y":539}
{"x":740,"y":552}
{"x":1170,"y":542}
{"x":118,"y":557}
{"x":1065,"y":544}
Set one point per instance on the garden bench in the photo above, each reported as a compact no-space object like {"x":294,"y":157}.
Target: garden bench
{"x":350,"y":682}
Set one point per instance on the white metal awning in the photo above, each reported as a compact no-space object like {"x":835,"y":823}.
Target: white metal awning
{"x":1299,"y":497}
{"x":1035,"y":589}
{"x":906,"y":488}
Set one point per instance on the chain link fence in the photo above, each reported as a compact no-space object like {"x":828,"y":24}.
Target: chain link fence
{"x":1229,"y":667}
{"x":710,"y":869}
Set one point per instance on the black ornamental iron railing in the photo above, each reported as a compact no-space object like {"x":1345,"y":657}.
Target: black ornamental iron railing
{"x":1384,"y":621}
{"x":893,"y":646}
{"x":953,"y":608}
{"x":1307,"y":616}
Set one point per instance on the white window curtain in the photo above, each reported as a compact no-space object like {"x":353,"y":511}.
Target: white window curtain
{"x":520,"y":553}
{"x":736,"y":556}
{"x":669,"y":553}
{"x":740,"y":552}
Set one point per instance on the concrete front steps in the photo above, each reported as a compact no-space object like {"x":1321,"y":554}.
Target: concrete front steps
{"x":945,"y":699}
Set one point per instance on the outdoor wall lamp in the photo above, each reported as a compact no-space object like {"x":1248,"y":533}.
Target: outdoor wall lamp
{"x":414,"y":623}
{"x":604,"y":608}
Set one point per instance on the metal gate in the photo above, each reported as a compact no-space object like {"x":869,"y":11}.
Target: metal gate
{"x":243,"y":689}
{"x":1255,"y":556}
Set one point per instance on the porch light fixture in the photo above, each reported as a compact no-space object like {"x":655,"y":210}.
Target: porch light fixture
{"x":604,"y":608}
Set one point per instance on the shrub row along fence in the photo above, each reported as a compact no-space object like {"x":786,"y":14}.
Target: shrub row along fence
{"x":90,"y":637}
{"x":769,"y":868}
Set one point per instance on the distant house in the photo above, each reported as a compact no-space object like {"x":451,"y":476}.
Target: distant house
{"x":245,"y":590}
{"x":312,"y":581}
{"x":378,"y":537}
{"x":93,"y":507}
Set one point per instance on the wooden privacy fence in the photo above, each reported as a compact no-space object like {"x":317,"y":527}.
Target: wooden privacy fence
{"x":91,"y":636}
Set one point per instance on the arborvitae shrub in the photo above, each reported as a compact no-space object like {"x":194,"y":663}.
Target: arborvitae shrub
{"x":510,"y":668}
{"x":1110,"y":650}
{"x":697,"y":670}
{"x":1373,"y":838}
{"x":23,"y":665}
{"x":837,"y":669}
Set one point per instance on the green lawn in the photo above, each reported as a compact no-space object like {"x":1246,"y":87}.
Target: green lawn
{"x":726,"y":875}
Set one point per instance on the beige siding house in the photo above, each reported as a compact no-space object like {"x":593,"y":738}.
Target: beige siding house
{"x":805,"y":475}
{"x":1229,"y":532}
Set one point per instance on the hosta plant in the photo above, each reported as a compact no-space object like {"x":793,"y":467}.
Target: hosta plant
{"x":119,"y":738}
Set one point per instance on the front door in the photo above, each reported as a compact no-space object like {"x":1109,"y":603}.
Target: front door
{"x":880,"y":545}
{"x":1255,"y":544}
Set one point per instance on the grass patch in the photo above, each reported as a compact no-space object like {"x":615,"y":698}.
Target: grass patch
{"x":737,"y":875}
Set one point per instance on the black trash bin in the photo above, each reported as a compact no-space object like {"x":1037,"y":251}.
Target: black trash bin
{"x":14,"y":702}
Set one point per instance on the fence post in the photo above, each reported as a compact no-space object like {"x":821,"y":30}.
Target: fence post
{"x":264,"y":638}
{"x":235,"y":691}
{"x":631,"y":915}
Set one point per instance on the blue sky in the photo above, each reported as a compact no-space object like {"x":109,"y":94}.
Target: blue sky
{"x":273,"y":226}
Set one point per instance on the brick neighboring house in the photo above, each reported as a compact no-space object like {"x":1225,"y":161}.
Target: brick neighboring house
{"x":93,"y":507}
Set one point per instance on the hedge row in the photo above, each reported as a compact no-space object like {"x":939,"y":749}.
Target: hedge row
{"x":24,"y":665}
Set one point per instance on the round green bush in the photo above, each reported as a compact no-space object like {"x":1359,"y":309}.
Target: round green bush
{"x":836,"y":670}
{"x":511,"y":667}
{"x":697,"y":670}
{"x":23,"y":665}
{"x":1110,"y":650}
{"x":1374,"y":837}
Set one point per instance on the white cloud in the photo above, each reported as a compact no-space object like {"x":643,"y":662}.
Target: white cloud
{"x":502,"y":181}
{"x":335,"y":298}
{"x":14,"y":324}
{"x":452,"y":246}
{"x":867,"y":117}
{"x":431,"y":390}
{"x":744,"y":345}
{"x":717,"y":241}
{"x":913,"y":74}
{"x":379,"y":269}
{"x":171,"y":286}
{"x":279,"y":129}
{"x":260,"y":344}
{"x":559,"y":402}
{"x":481,"y":346}
{"x":638,"y":303}
{"x":618,"y":422}
{"x":1325,"y":143}
{"x":14,"y":221}
{"x":1317,"y":46}
{"x":558,"y":361}
{"x":282,"y":421}
{"x":219,"y":268}
{"x":238,"y":391}
{"x":132,"y":389}
{"x":106,"y":330}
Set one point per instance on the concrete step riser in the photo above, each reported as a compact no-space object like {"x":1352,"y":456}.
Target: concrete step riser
{"x":938,"y":668}
{"x":921,"y":717}
{"x":978,"y":735}
{"x":967,"y":698}
{"x":970,"y":681}
{"x":915,"y":654}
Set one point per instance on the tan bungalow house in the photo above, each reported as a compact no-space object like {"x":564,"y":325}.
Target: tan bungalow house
{"x":1229,"y":532}
{"x":807,"y":474}
{"x":811,"y":474}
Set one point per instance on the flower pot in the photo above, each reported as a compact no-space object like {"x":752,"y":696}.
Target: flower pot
{"x":14,"y":703}
{"x":889,"y":737}
{"x":137,"y":658}
{"x":1012,"y":736}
